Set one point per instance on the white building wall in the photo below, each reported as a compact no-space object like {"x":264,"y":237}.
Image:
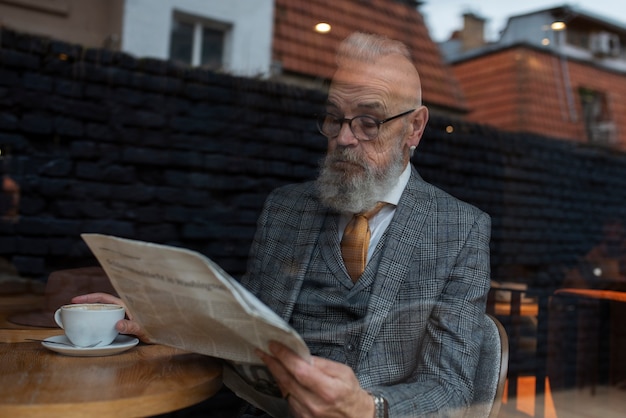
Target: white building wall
{"x":147,"y":26}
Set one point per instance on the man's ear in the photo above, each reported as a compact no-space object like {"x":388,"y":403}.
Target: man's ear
{"x":418,"y":124}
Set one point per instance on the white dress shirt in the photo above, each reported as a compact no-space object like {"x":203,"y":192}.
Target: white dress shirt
{"x":379,"y":222}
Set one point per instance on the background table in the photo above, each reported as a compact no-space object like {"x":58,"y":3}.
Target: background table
{"x":588,"y":338}
{"x":600,"y":294}
{"x":146,"y":380}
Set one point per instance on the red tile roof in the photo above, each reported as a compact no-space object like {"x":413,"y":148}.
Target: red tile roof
{"x":301,"y":50}
{"x":524,"y":89}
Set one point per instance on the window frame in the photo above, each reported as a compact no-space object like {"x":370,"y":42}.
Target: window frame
{"x":200,"y":23}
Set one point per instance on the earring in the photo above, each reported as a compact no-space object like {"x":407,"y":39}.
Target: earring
{"x":412,"y":148}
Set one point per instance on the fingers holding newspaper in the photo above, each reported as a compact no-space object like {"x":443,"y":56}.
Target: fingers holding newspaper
{"x":320,"y":387}
{"x":124,"y":326}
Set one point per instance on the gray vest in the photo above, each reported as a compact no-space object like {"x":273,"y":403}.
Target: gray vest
{"x":330,"y":309}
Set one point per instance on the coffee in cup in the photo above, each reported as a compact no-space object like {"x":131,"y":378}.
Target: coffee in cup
{"x":89,"y":324}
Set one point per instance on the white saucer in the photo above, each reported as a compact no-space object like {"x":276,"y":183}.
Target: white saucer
{"x":121,"y":343}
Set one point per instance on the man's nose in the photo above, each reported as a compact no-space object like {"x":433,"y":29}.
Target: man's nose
{"x":345,"y":136}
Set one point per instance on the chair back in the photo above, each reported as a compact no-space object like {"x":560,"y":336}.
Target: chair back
{"x":492,"y":369}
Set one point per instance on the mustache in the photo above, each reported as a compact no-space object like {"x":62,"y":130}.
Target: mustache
{"x":344,"y":155}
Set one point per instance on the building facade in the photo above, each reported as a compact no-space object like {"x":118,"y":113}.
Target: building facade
{"x":92,"y":23}
{"x":300,"y":53}
{"x":270,"y":39}
{"x":234,"y":36}
{"x":559,"y":72}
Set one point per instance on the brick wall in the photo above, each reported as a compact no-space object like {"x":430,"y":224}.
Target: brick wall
{"x":102,"y":142}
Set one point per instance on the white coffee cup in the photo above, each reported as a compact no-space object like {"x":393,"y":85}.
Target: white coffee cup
{"x":89,"y":324}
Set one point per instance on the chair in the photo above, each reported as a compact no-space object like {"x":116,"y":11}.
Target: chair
{"x":492,"y":370}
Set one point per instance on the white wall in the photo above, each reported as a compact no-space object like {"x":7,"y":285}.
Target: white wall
{"x":147,"y":25}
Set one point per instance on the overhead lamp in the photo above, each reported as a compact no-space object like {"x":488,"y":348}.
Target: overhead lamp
{"x":558,"y":25}
{"x":322,"y":27}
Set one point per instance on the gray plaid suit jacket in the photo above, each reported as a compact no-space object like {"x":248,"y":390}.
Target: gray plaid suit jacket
{"x":423,"y":332}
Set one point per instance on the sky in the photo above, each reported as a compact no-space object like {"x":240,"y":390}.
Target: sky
{"x":445,"y":16}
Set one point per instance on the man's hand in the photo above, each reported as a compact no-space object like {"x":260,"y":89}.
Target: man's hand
{"x":321,"y":388}
{"x":124,"y":326}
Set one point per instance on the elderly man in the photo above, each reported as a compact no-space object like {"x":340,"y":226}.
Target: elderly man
{"x":398,"y":332}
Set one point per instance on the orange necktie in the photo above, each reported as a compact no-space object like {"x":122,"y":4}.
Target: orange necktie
{"x":356,"y":240}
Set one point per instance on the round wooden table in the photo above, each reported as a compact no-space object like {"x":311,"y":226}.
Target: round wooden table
{"x":145,"y":380}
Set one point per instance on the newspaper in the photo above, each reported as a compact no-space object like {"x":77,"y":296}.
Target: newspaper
{"x":183,"y":299}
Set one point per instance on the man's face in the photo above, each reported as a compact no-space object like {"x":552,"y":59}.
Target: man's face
{"x":355,"y":173}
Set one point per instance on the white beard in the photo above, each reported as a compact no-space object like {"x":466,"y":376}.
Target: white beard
{"x":354,"y":193}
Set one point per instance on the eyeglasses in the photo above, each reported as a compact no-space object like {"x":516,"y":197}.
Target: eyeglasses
{"x":364,"y":128}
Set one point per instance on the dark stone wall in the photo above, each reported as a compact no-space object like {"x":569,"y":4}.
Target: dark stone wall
{"x":102,"y":142}
{"x":548,"y":198}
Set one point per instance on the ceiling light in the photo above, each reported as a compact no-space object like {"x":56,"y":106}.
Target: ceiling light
{"x":322,"y":27}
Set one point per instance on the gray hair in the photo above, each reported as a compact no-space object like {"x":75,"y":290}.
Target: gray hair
{"x":367,"y":47}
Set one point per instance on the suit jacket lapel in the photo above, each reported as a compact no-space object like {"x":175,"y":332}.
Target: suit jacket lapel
{"x":307,"y":236}
{"x":401,"y":241}
{"x":330,"y":250}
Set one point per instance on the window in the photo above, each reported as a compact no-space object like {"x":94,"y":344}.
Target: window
{"x":199,"y":42}
{"x":596,"y":116}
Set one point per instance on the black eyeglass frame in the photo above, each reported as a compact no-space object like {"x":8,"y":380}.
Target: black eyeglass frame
{"x":341,"y":121}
